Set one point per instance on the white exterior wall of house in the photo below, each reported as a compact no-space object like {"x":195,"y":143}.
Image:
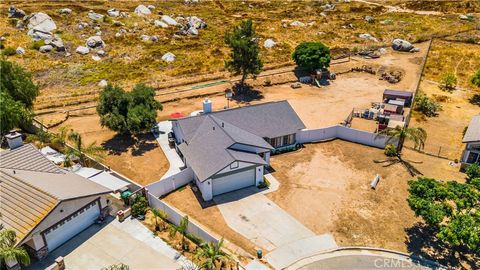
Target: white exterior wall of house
{"x":236,"y":165}
{"x":471,"y":149}
{"x":258,"y":175}
{"x":205,"y":188}
{"x":63,"y":210}
{"x":248,"y":148}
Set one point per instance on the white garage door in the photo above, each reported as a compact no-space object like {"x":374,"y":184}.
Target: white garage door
{"x":71,"y":226}
{"x":233,"y":182}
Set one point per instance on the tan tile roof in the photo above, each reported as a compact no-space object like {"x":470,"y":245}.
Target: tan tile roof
{"x":22,"y":205}
{"x":29,"y":158}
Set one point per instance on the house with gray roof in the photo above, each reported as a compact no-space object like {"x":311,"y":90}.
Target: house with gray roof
{"x":228,"y":150}
{"x":471,"y":154}
{"x":44,"y":204}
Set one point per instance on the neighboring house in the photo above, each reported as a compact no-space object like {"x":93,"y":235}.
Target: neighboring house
{"x":44,"y":204}
{"x":471,"y":154}
{"x":228,"y":150}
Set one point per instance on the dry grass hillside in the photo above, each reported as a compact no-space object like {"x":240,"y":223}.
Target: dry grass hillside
{"x":130,"y":60}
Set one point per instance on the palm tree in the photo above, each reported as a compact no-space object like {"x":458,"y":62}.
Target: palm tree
{"x":158,"y":214}
{"x":182,"y":229}
{"x":8,"y":250}
{"x":59,"y":139}
{"x":80,"y":151}
{"x":41,"y":138}
{"x":212,"y":254}
{"x":417,"y":135}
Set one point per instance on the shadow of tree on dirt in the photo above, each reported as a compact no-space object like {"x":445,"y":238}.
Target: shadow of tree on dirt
{"x":422,"y":242}
{"x":246,"y":94}
{"x":122,"y":143}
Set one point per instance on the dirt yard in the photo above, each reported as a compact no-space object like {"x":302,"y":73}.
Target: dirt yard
{"x":208,"y":214}
{"x":326,"y":186}
{"x":144,"y":163}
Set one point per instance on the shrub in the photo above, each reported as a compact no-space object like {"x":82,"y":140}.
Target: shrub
{"x":37,"y":44}
{"x":448,"y":82}
{"x":390,"y":150}
{"x":139,"y":206}
{"x":9,"y":51}
{"x":264,"y":184}
{"x":475,"y":99}
{"x":475,"y":80}
{"x":427,"y":106}
{"x":473,"y":171}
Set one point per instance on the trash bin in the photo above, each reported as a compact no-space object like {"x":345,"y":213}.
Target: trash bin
{"x":125,"y":196}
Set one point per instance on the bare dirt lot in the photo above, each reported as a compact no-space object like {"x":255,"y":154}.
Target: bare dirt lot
{"x":143,"y":162}
{"x":326,"y":186}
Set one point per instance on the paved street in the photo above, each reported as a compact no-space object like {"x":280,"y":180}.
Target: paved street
{"x":128,"y":242}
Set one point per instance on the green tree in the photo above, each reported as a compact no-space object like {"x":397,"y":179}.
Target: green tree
{"x":244,"y":56}
{"x":475,"y":80}
{"x":312,"y":56}
{"x":451,"y":209}
{"x":210,"y":255}
{"x":8,"y":249}
{"x":79,"y":150}
{"x":427,"y":106}
{"x":182,"y":229}
{"x":128,"y":113}
{"x":473,"y":171}
{"x":18,"y":83}
{"x":158,"y":214}
{"x":448,"y":81}
{"x":17,"y":94}
{"x":12,"y":113}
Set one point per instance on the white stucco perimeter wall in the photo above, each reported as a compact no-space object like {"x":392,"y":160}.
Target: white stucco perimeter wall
{"x":344,"y":133}
{"x":171,"y":183}
{"x":174,"y":216}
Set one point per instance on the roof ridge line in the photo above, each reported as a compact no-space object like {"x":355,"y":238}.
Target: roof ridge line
{"x":226,"y":133}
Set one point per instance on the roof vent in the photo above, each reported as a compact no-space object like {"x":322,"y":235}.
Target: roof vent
{"x":14,"y":139}
{"x":223,"y":124}
{"x":207,"y":106}
{"x":213,"y":128}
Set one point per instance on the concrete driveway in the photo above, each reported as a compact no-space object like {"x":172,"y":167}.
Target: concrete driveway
{"x":128,"y":242}
{"x":259,"y":219}
{"x":176,"y":163}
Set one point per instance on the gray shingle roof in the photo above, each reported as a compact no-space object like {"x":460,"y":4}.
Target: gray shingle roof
{"x":473,"y":131}
{"x":27,"y":157}
{"x":209,"y":137}
{"x":270,"y":120}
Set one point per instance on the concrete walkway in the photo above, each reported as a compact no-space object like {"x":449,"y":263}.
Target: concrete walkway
{"x":128,"y":242}
{"x":176,"y":163}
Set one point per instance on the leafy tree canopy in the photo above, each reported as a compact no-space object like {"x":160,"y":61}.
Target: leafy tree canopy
{"x":15,"y":81}
{"x":312,"y":56}
{"x":17,"y":94}
{"x":244,"y":56}
{"x":451,"y":208}
{"x":128,"y":112}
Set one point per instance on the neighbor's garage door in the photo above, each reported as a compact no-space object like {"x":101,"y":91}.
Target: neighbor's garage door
{"x":71,"y":226}
{"x":233,"y":182}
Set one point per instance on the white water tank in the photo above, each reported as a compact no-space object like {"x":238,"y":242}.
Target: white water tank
{"x":207,"y":106}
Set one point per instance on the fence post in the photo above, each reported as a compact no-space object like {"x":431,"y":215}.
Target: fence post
{"x":439,"y":150}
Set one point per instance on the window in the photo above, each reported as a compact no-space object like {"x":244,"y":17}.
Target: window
{"x":472,"y":158}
